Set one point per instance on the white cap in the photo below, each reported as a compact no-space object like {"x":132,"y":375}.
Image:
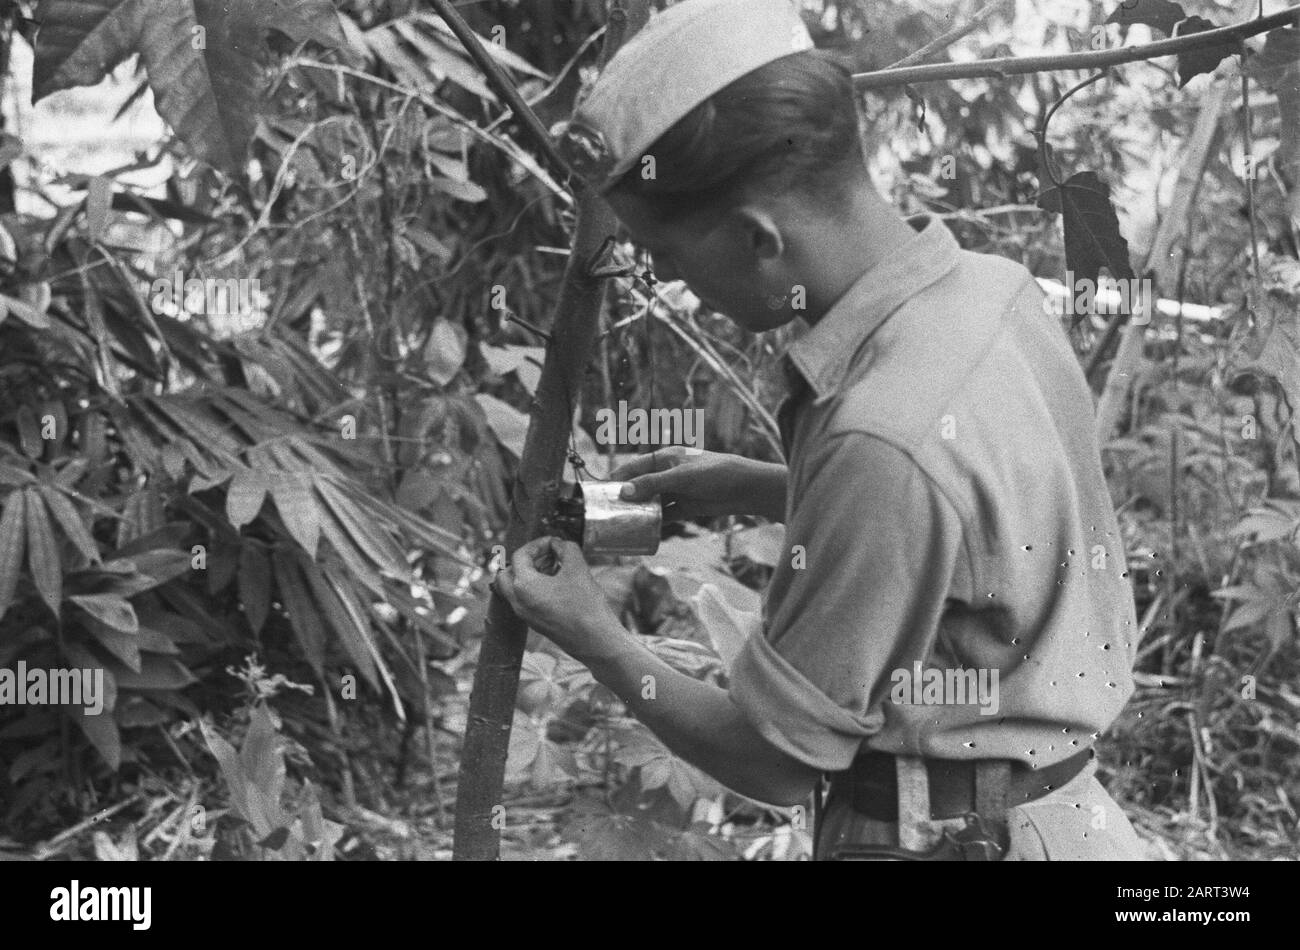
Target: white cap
{"x":679,"y":59}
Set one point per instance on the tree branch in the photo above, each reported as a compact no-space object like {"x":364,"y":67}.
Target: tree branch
{"x":944,"y":40}
{"x":501,"y":84}
{"x":479,"y":809}
{"x":1020,"y":65}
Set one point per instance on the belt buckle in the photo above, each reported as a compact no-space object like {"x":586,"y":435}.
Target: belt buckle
{"x":976,"y":840}
{"x":918,"y":831}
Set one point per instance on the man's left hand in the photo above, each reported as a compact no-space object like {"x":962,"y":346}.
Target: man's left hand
{"x":550,"y":587}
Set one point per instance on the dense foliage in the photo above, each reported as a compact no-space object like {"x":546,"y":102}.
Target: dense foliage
{"x":257,"y":425}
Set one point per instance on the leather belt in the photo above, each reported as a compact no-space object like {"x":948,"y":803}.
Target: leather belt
{"x":871,"y":784}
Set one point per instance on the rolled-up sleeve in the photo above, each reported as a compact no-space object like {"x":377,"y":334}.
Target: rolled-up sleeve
{"x":873,"y":548}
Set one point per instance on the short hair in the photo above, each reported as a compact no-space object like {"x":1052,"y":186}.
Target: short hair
{"x":791,"y":124}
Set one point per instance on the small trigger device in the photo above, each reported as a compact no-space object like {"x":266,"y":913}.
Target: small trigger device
{"x":600,"y":522}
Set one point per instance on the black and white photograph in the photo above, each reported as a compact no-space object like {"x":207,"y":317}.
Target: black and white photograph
{"x":570,"y":431}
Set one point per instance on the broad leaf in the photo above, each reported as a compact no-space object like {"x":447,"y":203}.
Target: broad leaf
{"x":303,"y":616}
{"x":524,"y":361}
{"x":80,"y":42}
{"x":156,"y":672}
{"x":444,"y":354}
{"x":231,"y":769}
{"x":254,"y":585}
{"x":727,"y":627}
{"x":263,"y":763}
{"x":345,"y":623}
{"x":110,"y":610}
{"x":202,"y":57}
{"x":124,"y":646}
{"x":298,"y":508}
{"x":1204,"y":59}
{"x":102,"y":732}
{"x":763,"y":545}
{"x":70,"y":521}
{"x":245,"y":496}
{"x":81,"y":658}
{"x":508,"y":424}
{"x":1092,"y":236}
{"x":43,"y":553}
{"x":373,"y":541}
{"x":13,"y":536}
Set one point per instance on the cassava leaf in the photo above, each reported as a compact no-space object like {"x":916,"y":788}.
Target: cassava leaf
{"x":303,"y":616}
{"x":1092,"y":236}
{"x":232,"y":770}
{"x":342,"y":621}
{"x":138,"y":713}
{"x":79,"y":657}
{"x":109,"y":609}
{"x":262,"y":759}
{"x":34,"y":318}
{"x":462,"y":190}
{"x":124,"y":646}
{"x":156,"y":673}
{"x":298,"y":508}
{"x":373,"y":542}
{"x":357,"y":565}
{"x":1204,"y":59}
{"x":254,"y":585}
{"x":80,"y":41}
{"x":154,"y":641}
{"x":203,"y":58}
{"x":727,"y":627}
{"x":508,"y":424}
{"x":764,"y":544}
{"x":29,"y":432}
{"x":444,"y":354}
{"x":70,"y":521}
{"x":43,"y":552}
{"x":102,"y":732}
{"x":13,"y":537}
{"x":14,"y":476}
{"x":524,"y":361}
{"x":245,"y":496}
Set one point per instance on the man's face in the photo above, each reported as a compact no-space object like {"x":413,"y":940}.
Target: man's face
{"x":718,"y":259}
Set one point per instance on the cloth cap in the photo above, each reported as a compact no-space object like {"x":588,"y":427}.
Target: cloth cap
{"x":681,"y":57}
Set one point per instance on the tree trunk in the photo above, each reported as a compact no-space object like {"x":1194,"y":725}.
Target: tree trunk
{"x":480,"y":813}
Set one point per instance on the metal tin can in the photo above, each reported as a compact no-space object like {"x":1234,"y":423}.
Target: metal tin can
{"x":614,"y":526}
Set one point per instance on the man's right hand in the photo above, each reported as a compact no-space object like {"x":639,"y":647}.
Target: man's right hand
{"x":696,"y":484}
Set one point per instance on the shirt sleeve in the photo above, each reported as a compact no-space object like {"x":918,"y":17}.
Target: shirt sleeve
{"x":873,"y":547}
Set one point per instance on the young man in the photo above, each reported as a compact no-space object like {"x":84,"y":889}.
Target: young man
{"x":952,"y":628}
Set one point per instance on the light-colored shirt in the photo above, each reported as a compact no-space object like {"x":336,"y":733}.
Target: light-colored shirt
{"x":946,"y":510}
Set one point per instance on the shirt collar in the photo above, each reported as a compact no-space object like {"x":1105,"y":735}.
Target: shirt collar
{"x":824,"y":354}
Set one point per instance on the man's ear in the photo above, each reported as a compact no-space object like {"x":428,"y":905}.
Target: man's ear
{"x":761,"y":232}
